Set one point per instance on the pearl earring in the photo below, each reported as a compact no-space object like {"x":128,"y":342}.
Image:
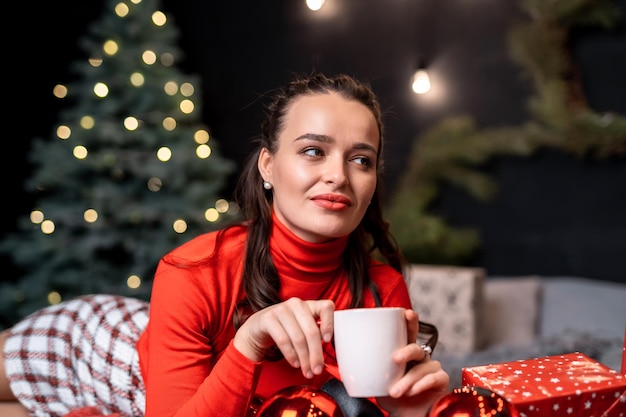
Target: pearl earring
{"x":267,"y":185}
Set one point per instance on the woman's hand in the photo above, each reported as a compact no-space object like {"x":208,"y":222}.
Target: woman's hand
{"x":424,"y":381}
{"x":296,"y":327}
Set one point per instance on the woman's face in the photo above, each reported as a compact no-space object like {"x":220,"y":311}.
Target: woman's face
{"x":324,"y":171}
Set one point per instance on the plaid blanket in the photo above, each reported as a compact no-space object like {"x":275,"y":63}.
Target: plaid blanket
{"x":80,"y":353}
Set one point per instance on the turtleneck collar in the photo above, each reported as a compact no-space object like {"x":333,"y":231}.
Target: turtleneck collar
{"x":304,"y":260}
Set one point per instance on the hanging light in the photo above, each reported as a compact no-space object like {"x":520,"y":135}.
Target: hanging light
{"x":421,"y":81}
{"x":314,"y":5}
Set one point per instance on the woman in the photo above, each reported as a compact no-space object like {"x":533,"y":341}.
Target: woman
{"x":227,"y":331}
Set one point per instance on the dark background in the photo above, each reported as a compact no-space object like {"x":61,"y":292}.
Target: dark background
{"x":555,"y":214}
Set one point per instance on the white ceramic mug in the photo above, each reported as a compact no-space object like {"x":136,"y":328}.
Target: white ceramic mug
{"x":365,"y":339}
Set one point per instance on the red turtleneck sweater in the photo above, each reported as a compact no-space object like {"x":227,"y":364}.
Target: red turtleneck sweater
{"x":189,"y":364}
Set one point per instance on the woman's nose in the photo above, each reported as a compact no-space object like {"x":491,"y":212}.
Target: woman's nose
{"x":336,"y":172}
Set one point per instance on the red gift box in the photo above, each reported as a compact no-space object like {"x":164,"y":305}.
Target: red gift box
{"x":570,"y":385}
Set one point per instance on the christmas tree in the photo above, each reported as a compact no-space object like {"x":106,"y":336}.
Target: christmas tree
{"x":129,"y":172}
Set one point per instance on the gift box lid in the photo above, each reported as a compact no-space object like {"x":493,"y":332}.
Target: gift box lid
{"x":566,"y":383}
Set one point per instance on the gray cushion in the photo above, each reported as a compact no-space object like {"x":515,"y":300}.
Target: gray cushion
{"x":581,"y":304}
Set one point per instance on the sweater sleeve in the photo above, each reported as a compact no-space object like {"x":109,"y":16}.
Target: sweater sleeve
{"x":179,"y":361}
{"x":391,"y":285}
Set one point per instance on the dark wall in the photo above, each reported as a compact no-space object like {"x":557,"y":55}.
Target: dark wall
{"x":555,"y":214}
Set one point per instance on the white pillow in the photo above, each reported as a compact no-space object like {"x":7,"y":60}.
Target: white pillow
{"x":450,"y":298}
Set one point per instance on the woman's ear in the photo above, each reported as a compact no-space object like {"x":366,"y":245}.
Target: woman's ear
{"x":264,"y":164}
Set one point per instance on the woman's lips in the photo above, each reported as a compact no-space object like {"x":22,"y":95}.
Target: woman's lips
{"x":332,"y":201}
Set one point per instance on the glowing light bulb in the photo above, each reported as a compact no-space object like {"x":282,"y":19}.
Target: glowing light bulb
{"x":315,"y":5}
{"x":421,"y":82}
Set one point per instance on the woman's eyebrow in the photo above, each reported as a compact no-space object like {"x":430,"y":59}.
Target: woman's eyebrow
{"x":314,"y":136}
{"x":328,"y":139}
{"x":365,"y":146}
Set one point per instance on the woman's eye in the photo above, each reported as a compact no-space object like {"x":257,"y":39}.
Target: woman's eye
{"x":312,"y":152}
{"x":362,"y":160}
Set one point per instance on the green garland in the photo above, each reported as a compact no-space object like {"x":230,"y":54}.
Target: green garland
{"x":453,"y":151}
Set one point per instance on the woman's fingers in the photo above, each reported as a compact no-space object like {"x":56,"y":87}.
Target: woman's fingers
{"x":412,"y":325}
{"x":425,"y":376}
{"x":297,"y":328}
{"x":324,"y":310}
{"x":313,"y":321}
{"x":298,"y":336}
